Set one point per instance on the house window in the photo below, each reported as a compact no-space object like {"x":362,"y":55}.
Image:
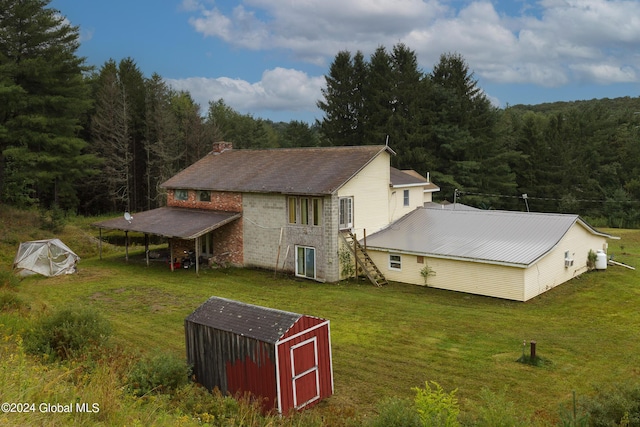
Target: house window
{"x":204,"y":196}
{"x":346,"y":212}
{"x":406,"y":197}
{"x":304,"y":211}
{"x":306,"y":262}
{"x":293,"y":217}
{"x":317,"y":211}
{"x":181,"y":195}
{"x":395,"y":262}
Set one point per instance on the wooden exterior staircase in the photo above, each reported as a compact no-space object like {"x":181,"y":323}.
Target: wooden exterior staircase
{"x":364,"y":264}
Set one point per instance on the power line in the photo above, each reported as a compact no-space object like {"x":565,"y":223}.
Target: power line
{"x":459,"y":193}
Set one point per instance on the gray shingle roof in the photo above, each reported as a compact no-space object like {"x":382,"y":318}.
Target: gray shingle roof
{"x":313,"y":171}
{"x":410,"y":178}
{"x":503,"y":237}
{"x":261,"y":323}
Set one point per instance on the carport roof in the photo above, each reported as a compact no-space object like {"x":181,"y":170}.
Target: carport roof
{"x":182,"y":223}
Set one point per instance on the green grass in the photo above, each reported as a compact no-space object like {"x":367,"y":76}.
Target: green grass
{"x":385,"y":340}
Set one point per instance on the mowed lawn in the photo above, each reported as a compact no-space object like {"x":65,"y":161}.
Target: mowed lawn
{"x":387,"y":340}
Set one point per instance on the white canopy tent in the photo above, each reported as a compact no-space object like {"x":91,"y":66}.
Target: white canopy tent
{"x":47,"y":257}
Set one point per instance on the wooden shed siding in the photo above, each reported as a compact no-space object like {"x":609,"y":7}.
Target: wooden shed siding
{"x":285,"y":368}
{"x":370,"y":191}
{"x":215,"y":354}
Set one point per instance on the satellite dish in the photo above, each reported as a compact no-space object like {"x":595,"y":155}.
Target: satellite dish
{"x":128,"y":217}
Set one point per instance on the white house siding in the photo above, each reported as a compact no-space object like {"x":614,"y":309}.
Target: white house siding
{"x":264,"y":215}
{"x":462,"y":276}
{"x":550,"y":271}
{"x":370,"y":191}
{"x":397,"y":209}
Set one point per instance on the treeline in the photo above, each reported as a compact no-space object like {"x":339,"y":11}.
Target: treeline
{"x":103,"y":140}
{"x":570,"y":157}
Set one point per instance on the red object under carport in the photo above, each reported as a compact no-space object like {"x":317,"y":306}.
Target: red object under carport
{"x":283,"y":357}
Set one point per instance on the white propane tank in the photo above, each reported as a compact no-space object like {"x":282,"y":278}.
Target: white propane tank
{"x":601,"y":260}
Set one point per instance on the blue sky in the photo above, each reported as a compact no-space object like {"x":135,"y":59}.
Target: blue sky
{"x":268,"y":58}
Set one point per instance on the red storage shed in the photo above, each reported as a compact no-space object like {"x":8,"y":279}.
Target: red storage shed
{"x":283,"y":357}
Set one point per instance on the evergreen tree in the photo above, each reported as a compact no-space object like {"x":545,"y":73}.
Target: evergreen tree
{"x":378,"y":104}
{"x":471,"y":154}
{"x":43,"y":96}
{"x":112,"y":138}
{"x":344,"y":98}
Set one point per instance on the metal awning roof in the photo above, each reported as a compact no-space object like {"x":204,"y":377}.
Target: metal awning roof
{"x":182,"y":223}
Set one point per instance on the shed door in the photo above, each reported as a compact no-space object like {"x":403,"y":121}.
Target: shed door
{"x":304,"y":369}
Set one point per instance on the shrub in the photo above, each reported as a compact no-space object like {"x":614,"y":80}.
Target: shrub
{"x":347,"y":266}
{"x":396,"y":412}
{"x":161,"y":373}
{"x":427,"y":272}
{"x":8,"y":279}
{"x":614,"y":405}
{"x":591,"y":259}
{"x":10,"y":301}
{"x":436,"y":407}
{"x":67,"y":333}
{"x":495,"y":410}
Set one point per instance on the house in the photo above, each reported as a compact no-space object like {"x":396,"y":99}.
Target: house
{"x":280,"y":209}
{"x":510,"y":255}
{"x":282,"y":357}
{"x":300,"y":210}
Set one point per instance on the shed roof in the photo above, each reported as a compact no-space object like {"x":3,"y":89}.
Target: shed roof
{"x":312,"y":170}
{"x":182,"y":223}
{"x":261,"y":323}
{"x":502,"y":237}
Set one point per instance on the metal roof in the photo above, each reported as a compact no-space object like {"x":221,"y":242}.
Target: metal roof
{"x":312,"y":170}
{"x":261,"y":323}
{"x":501,"y":237}
{"x":183,"y":223}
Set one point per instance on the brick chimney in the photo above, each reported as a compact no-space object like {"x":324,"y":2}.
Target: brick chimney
{"x":219,"y":147}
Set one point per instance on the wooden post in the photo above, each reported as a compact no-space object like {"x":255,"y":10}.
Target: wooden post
{"x":533,"y":351}
{"x":364,"y":239}
{"x":197,"y":252}
{"x":146,"y":247}
{"x":126,"y":246}
{"x":170,"y":255}
{"x":100,"y":244}
{"x":355,"y":256}
{"x":275,"y":271}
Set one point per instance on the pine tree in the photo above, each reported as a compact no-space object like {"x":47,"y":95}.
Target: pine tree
{"x":111,"y":139}
{"x":42,"y":98}
{"x":344,"y":122}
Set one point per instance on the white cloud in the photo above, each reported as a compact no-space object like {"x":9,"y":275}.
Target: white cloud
{"x":546,"y":43}
{"x":563,"y":41}
{"x":278,"y":90}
